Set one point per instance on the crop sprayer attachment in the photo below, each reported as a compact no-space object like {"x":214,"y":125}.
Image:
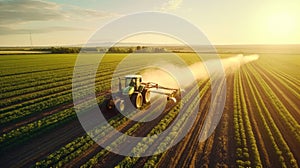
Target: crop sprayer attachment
{"x":138,"y":93}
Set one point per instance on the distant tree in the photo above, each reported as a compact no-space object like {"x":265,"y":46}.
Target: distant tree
{"x":130,"y":50}
{"x":62,"y":50}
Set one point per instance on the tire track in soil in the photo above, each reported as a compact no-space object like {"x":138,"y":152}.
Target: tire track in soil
{"x":143,"y":160}
{"x":193,"y":140}
{"x":223,"y":152}
{"x":203,"y":157}
{"x":179,"y":155}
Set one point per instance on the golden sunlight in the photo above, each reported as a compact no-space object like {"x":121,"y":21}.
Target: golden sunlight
{"x":281,"y":25}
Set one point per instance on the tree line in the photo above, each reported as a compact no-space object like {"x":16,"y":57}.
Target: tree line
{"x":138,"y":49}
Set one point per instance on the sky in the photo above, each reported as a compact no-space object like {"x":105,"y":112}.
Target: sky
{"x":65,"y":22}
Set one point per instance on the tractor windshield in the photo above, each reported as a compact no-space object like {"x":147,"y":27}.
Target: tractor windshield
{"x":130,"y":82}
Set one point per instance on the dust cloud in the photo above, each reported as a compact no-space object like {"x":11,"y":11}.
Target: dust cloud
{"x":173,"y":76}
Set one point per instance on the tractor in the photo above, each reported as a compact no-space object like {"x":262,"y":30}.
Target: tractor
{"x":137,"y":92}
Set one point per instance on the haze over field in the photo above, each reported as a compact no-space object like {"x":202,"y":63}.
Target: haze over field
{"x":198,"y":70}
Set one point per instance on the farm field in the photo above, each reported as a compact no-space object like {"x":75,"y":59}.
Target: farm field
{"x":260,"y":124}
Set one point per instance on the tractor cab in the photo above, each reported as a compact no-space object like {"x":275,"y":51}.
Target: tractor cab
{"x":133,"y":81}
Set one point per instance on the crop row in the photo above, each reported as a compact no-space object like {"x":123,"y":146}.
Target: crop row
{"x":287,"y":95}
{"x":52,"y":86}
{"x":36,"y":59}
{"x":289,"y":120}
{"x":177,"y":128}
{"x":35,"y":107}
{"x":286,"y":65}
{"x":41,"y":104}
{"x":13,"y":87}
{"x":30,"y":87}
{"x":17,"y":82}
{"x":36,"y":97}
{"x":154,"y":160}
{"x":37,"y":127}
{"x":37,"y":64}
{"x":31,"y":98}
{"x":276,"y":138}
{"x":77,"y":146}
{"x":243,"y":128}
{"x":19,"y":132}
{"x":290,"y":85}
{"x":82,"y":144}
{"x":122,"y":139}
{"x":286,"y":80}
{"x":19,"y":111}
{"x":284,"y":68}
{"x":34,"y":83}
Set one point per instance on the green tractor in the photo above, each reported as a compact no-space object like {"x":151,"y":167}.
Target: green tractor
{"x":137,"y":93}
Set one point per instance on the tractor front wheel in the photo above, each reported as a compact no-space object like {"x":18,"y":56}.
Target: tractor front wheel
{"x":137,"y":100}
{"x":107,"y":104}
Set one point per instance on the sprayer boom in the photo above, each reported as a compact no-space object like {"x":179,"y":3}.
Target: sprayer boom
{"x":137,"y":93}
{"x":160,"y":90}
{"x":150,"y":85}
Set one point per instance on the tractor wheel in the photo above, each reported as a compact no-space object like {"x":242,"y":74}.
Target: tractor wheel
{"x":120,"y":105}
{"x":137,"y":100}
{"x":106,"y":105}
{"x":110,"y":104}
{"x":146,"y":96}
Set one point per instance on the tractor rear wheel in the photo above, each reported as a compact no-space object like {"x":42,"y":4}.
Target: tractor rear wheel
{"x":146,"y":96}
{"x":137,"y":100}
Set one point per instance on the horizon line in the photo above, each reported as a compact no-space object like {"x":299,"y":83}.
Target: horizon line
{"x":143,"y":44}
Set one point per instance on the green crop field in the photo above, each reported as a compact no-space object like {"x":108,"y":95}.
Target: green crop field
{"x":260,"y":124}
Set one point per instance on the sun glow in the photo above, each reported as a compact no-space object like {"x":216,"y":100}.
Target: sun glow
{"x":281,"y":25}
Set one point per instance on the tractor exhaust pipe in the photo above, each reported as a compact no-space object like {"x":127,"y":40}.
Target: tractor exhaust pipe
{"x":120,"y":85}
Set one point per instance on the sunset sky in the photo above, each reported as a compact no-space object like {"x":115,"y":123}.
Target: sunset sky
{"x":65,"y":22}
